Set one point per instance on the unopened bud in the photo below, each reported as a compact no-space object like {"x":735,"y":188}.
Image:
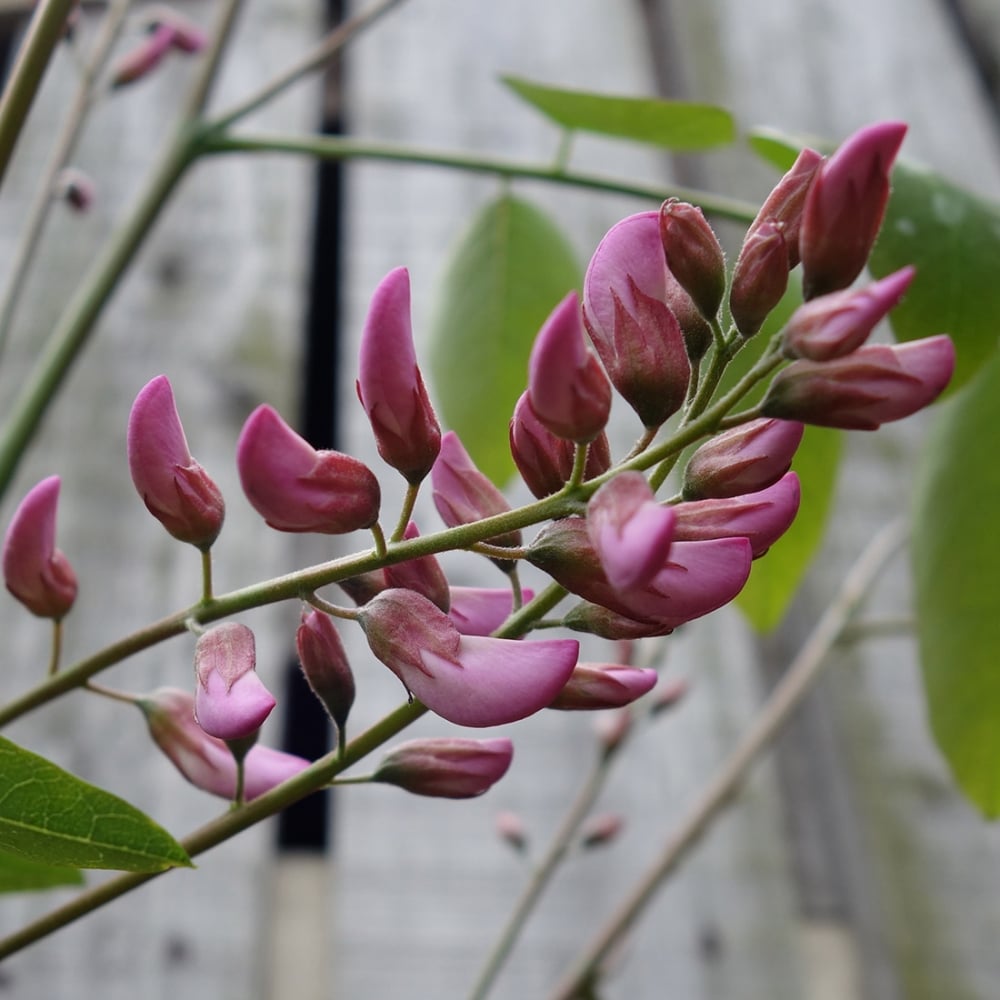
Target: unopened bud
{"x":449,"y":768}
{"x":759,"y":279}
{"x":600,"y":830}
{"x":694,"y":255}
{"x":325,"y":665}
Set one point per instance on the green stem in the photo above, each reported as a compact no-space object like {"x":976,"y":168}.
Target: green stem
{"x":56,"y":653}
{"x":219,"y":38}
{"x":342,"y":148}
{"x":313,"y":778}
{"x":406,"y":512}
{"x":48,"y":24}
{"x":796,"y":682}
{"x":206,"y":576}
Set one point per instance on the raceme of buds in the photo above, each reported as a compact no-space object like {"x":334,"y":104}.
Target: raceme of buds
{"x":468,"y":680}
{"x":482,"y":610}
{"x":833,"y":325}
{"x":462,"y":494}
{"x":423,"y":574}
{"x":325,"y":665}
{"x":783,"y":206}
{"x":762,"y":517}
{"x":174,"y":487}
{"x":546,"y":461}
{"x":206,"y":761}
{"x":604,"y":685}
{"x":871,"y":386}
{"x":390,"y":385}
{"x":294,"y":487}
{"x":446,"y":768}
{"x":697,"y":578}
{"x":744,"y":459}
{"x":694,"y":255}
{"x":567,"y":387}
{"x":845,"y":206}
{"x":629,"y":530}
{"x":626,"y":293}
{"x":759,"y":278}
{"x":231,"y":702}
{"x":34,"y":570}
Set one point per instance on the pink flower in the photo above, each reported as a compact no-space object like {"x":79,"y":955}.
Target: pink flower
{"x":231,"y":702}
{"x":869,"y":387}
{"x":448,"y":768}
{"x":762,"y":517}
{"x":629,"y":530}
{"x":482,"y":610}
{"x":567,"y":387}
{"x":844,"y":208}
{"x":206,"y":761}
{"x":604,"y":685}
{"x":833,"y":325}
{"x":390,"y":386}
{"x":34,"y":570}
{"x":468,"y":680}
{"x":294,"y":487}
{"x":174,"y":487}
{"x":626,"y":294}
{"x":694,"y":255}
{"x":325,"y":665}
{"x":744,"y":459}
{"x":423,"y":574}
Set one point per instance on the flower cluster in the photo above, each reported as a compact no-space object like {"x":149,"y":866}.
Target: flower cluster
{"x":657,"y":302}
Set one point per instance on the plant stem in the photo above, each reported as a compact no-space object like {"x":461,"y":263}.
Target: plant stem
{"x":803,"y":672}
{"x":45,"y":31}
{"x":313,"y":778}
{"x":342,"y":148}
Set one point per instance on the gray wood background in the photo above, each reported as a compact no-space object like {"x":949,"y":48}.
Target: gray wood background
{"x":848,"y":868}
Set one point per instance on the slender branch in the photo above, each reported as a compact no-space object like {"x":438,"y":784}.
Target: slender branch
{"x":342,"y":148}
{"x":219,"y":38}
{"x":783,"y":701}
{"x":45,"y":31}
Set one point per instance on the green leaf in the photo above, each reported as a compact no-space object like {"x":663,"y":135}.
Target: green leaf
{"x":506,"y":275}
{"x":952,"y":238}
{"x":778,"y":148}
{"x":955,"y":556}
{"x":679,"y":125}
{"x":18,"y":874}
{"x":50,"y":816}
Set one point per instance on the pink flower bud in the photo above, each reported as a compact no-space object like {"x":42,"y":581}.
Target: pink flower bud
{"x":188,"y":37}
{"x":546,"y":461}
{"x":390,"y":386}
{"x":762,"y":517}
{"x":626,"y":294}
{"x":34,"y":570}
{"x":174,"y":487}
{"x":567,"y":387}
{"x":760,"y":277}
{"x":601,"y":829}
{"x":462,"y":494}
{"x":362,"y":588}
{"x":468,"y":680}
{"x":629,"y":530}
{"x":423,"y":574}
{"x":325,"y":665}
{"x":76,"y":189}
{"x":844,"y":208}
{"x":446,"y":768}
{"x":511,"y":829}
{"x":230,"y":700}
{"x":294,"y":487}
{"x":744,"y":459}
{"x":668,"y":695}
{"x":604,"y":685}
{"x":783,"y":206}
{"x":482,"y":610}
{"x":206,"y":761}
{"x":833,"y":325}
{"x":694,"y":255}
{"x":873,"y":385}
{"x":612,"y":727}
{"x":599,"y":621}
{"x":141,"y":60}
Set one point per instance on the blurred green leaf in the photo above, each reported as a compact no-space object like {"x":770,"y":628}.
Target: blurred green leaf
{"x":955,"y":556}
{"x":506,"y":275}
{"x":18,"y":874}
{"x":49,"y":816}
{"x":678,"y":125}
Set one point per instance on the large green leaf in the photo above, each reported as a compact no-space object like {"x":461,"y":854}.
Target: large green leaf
{"x":956,"y":555}
{"x":505,"y":276}
{"x":49,"y":816}
{"x":18,"y":874}
{"x":679,"y":125}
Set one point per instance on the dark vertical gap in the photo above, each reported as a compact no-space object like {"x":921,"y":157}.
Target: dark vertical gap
{"x":308,"y":732}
